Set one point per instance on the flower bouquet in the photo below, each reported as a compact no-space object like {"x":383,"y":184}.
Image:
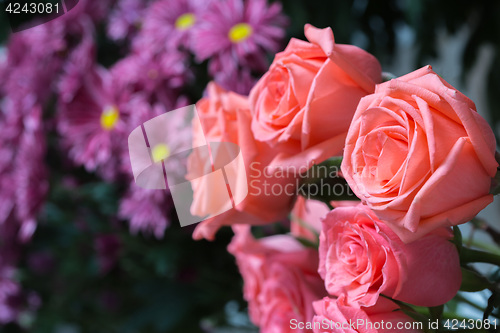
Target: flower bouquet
{"x":375,"y":173}
{"x":338,"y":189}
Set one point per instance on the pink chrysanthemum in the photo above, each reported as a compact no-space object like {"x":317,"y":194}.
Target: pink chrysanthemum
{"x":234,"y":32}
{"x":99,"y":108}
{"x":160,"y":77}
{"x":85,"y":10}
{"x":126,"y":18}
{"x":33,"y":58}
{"x":36,"y":56}
{"x":156,"y":81}
{"x":54,"y":39}
{"x":146,"y":210}
{"x":10,"y":293}
{"x":240,"y":82}
{"x":30,"y":173}
{"x":23,"y":175}
{"x":168,"y":24}
{"x":142,"y":112}
{"x":92,"y":120}
{"x":12,"y":298}
{"x":29,"y":68}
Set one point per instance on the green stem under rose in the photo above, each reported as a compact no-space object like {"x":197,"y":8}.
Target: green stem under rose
{"x":470,"y":256}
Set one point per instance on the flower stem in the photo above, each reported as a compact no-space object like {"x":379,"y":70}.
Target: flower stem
{"x":469,"y":255}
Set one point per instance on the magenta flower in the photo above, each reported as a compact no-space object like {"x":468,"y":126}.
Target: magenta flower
{"x":99,"y":108}
{"x":146,"y":210}
{"x":33,"y":59}
{"x":29,"y":67}
{"x":152,"y":94}
{"x":126,"y":18}
{"x":168,"y":25}
{"x":12,"y":298}
{"x":149,"y":210}
{"x":36,"y":56}
{"x":160,"y":77}
{"x":92,"y":120}
{"x":10,"y":295}
{"x":40,"y":42}
{"x":23,"y":175}
{"x":30,"y":173}
{"x":80,"y":61}
{"x":241,"y":81}
{"x":50,"y":41}
{"x":85,"y":10}
{"x":235,"y":33}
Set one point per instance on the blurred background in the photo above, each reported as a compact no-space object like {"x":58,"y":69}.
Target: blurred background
{"x":82,"y":249}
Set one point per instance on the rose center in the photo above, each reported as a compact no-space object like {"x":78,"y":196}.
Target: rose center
{"x":240,"y":32}
{"x":185,"y":21}
{"x":277,"y":83}
{"x":384,"y":151}
{"x":110,"y":117}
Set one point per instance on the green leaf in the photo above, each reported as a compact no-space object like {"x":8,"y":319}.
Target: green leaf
{"x":307,"y":243}
{"x":457,"y":238}
{"x":436,"y":312}
{"x":472,"y":281}
{"x":323,"y":182}
{"x":470,"y":255}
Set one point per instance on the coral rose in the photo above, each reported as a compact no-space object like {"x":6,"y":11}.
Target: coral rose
{"x":305,"y":102}
{"x":280,"y":279}
{"x":419,"y":154}
{"x":334,"y":315}
{"x":362,"y":258}
{"x":225,"y":117}
{"x":305,"y":219}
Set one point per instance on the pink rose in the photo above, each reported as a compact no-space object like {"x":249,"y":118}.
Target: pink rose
{"x":362,"y":258}
{"x":419,"y":154}
{"x":334,"y":315}
{"x":305,"y":219}
{"x":225,"y":117}
{"x":280,"y":279}
{"x":306,"y":216}
{"x":305,"y":102}
{"x":217,"y":123}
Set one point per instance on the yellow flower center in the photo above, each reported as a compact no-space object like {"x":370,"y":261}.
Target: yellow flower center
{"x":109,"y":117}
{"x":160,"y":152}
{"x":240,"y":32}
{"x":185,"y":21}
